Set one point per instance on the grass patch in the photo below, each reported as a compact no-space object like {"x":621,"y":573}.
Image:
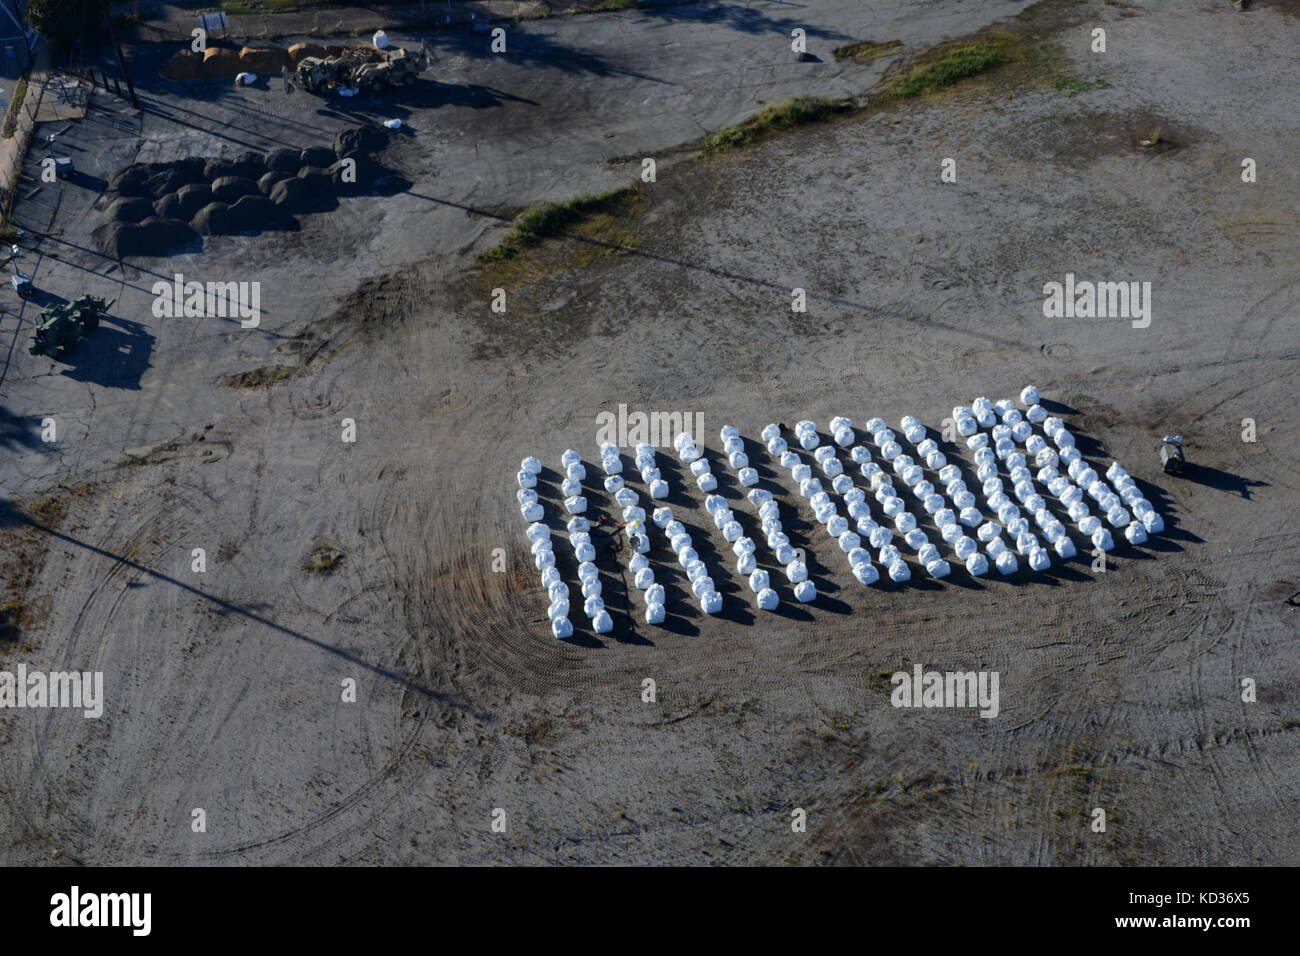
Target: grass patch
{"x":548,"y":219}
{"x":263,"y":377}
{"x":865,"y":50}
{"x":324,"y":560}
{"x":797,"y":111}
{"x":1064,"y":83}
{"x":951,"y":66}
{"x":50,"y":511}
{"x":11,"y":117}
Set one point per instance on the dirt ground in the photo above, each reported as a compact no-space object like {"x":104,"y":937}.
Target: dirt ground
{"x":1119,"y":690}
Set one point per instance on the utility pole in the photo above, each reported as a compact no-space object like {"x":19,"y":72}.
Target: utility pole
{"x":121,"y":60}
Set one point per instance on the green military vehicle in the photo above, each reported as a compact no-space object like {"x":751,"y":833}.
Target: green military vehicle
{"x":62,"y":327}
{"x":361,"y":68}
{"x":1171,"y":454}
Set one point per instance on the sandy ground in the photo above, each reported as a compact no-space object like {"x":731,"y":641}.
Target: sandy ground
{"x":1119,"y":690}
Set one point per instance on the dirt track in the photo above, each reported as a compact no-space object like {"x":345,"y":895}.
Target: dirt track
{"x":1119,"y":690}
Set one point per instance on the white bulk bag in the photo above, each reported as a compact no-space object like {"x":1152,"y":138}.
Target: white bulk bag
{"x":915,"y":539}
{"x":800,"y":473}
{"x":1135,"y":533}
{"x":898,"y":571}
{"x":1153,"y":523}
{"x":732,"y":531}
{"x":746,"y":564}
{"x":904,"y":522}
{"x":837,"y":525}
{"x":592,"y":588}
{"x":1006,"y":563}
{"x":938,"y":568}
{"x":530,"y":465}
{"x":526,"y":479}
{"x":532,"y":512}
{"x":1102,"y":540}
{"x":977,"y":565}
{"x":659,"y":488}
{"x":790,"y":459}
{"x":758,"y":580}
{"x":561,"y":627}
{"x":867,"y":573}
{"x":951,"y":533}
{"x":926,"y":553}
{"x":711,"y":603}
{"x":747,"y":477}
{"x":770,"y":431}
{"x":970,"y":516}
{"x":767,"y":600}
{"x":550,"y":576}
{"x":558,"y":609}
{"x":858,"y":556}
{"x":964,"y":547}
{"x":796,"y":571}
{"x":888,"y":555}
{"x":654,"y":614}
{"x":1064,"y":547}
{"x":702,"y":586}
{"x":706,"y":482}
{"x":976,"y":442}
{"x":784,"y":553}
{"x":859,"y":455}
{"x":777,"y":447}
{"x":805,"y":591}
{"x":848,"y":540}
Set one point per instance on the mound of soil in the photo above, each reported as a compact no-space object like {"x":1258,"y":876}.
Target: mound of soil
{"x":256,"y":213}
{"x":130,"y":209}
{"x":193,"y":198}
{"x":317,"y":181}
{"x":360,"y":141}
{"x":300,"y":50}
{"x":290,"y":195}
{"x":365,"y":173}
{"x":170,"y":207}
{"x":230,"y":189}
{"x":153,"y":237}
{"x":321,"y":156}
{"x":133,"y":180}
{"x":283,"y":160}
{"x":268,"y":181}
{"x":212,"y":220}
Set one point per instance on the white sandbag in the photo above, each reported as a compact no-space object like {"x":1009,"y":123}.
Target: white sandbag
{"x":732,"y":531}
{"x":978,"y":441}
{"x":770,"y":431}
{"x":738,"y":460}
{"x":838,"y":423}
{"x":809,"y":487}
{"x":888,"y":555}
{"x":526,"y":479}
{"x":743,"y":546}
{"x":796,"y":571}
{"x":879,"y":537}
{"x":767,"y":600}
{"x":808,"y":441}
{"x":966,"y":427}
{"x":532,"y":512}
{"x":858,"y":556}
{"x":964,"y":547}
{"x":769,"y":509}
{"x":612,"y":466}
{"x":784,"y":554}
{"x":933,"y":504}
{"x":898,"y":571}
{"x":526,"y":496}
{"x":702,"y":585}
{"x":531,"y":465}
{"x":823,"y":454}
{"x":1006,"y":563}
{"x":995,"y":547}
{"x":557,"y":609}
{"x":557,"y":591}
{"x":747,"y":477}
{"x":914,"y":434}
{"x":687,"y":556}
{"x":723,"y":518}
{"x":915,"y":539}
{"x":758,"y":580}
{"x":1090,"y":525}
{"x":777,"y":447}
{"x":729,"y":431}
{"x":550,"y":576}
{"x":1135,"y":533}
{"x":1064,"y":547}
{"x":634,"y":513}
{"x":706,"y":483}
{"x":654,"y":613}
{"x":790,"y":460}
{"x":659,"y":488}
{"x":1102,"y":540}
{"x":805,"y":591}
{"x":570,"y":457}
{"x":1118,"y":517}
{"x":562,"y":627}
{"x":904,"y":522}
{"x":1029,"y":395}
{"x":1017,"y":526}
{"x":832,"y":468}
{"x":644,"y":578}
{"x":537,"y":532}
{"x":746,"y":564}
{"x":613,"y":484}
{"x":593,"y":605}
{"x":575,"y":505}
{"x":875,"y":425}
{"x":585,"y":552}
{"x":938,"y":568}
{"x":592,"y":588}
{"x":837,"y":525}
{"x":1153,"y":523}
{"x":859,"y":455}
{"x":963,"y":500}
{"x":772,"y":528}
{"x":711,"y":603}
{"x":891,"y":450}
{"x":977,"y":565}
{"x":867,"y":573}
{"x":1039,"y":559}
{"x":602,"y":623}
{"x":926,"y":553}
{"x":848,"y":540}
{"x":800,"y":473}
{"x":970,"y":517}
{"x":845,"y":437}
{"x":892,"y":506}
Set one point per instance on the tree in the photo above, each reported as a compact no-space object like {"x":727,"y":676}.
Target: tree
{"x":65,"y":23}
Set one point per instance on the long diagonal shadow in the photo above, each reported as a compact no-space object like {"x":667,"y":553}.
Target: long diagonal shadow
{"x":10,"y":515}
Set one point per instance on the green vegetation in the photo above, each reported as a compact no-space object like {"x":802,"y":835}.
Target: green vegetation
{"x":553,"y":218}
{"x":50,"y":511}
{"x":324,"y":560}
{"x":66,"y":23}
{"x":11,"y":117}
{"x":798,"y":111}
{"x":263,"y":377}
{"x":865,"y":50}
{"x":953,"y":65}
{"x":1064,"y":83}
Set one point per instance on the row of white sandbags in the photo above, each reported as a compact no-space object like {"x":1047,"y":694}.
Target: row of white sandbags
{"x":837,"y":526}
{"x":637,"y":529}
{"x":697,"y":573}
{"x":778,"y":542}
{"x":593,"y":604}
{"x":539,"y":537}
